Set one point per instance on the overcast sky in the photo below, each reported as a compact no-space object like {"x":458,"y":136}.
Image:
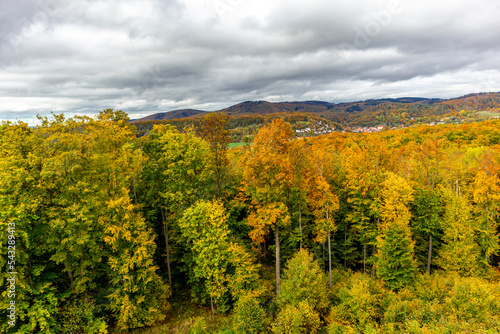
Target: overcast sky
{"x":149,"y":56}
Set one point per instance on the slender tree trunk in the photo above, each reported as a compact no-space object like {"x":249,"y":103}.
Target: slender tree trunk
{"x":258,"y":252}
{"x":364,"y":258}
{"x":375,"y":250}
{"x":487,"y":236}
{"x":212,"y":305}
{"x":329,"y":251}
{"x":264,"y":251}
{"x":373,"y":267}
{"x":345,"y":246}
{"x":218,"y":182}
{"x":167,"y":249}
{"x":324,"y":258}
{"x":300,"y":203}
{"x":277,"y":261}
{"x":135,"y":187}
{"x":329,"y":261}
{"x":300,"y":225}
{"x":430,"y":256}
{"x":70,"y":274}
{"x":217,"y":170}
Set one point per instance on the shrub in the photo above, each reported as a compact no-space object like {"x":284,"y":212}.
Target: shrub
{"x":79,"y":316}
{"x":474,"y":299}
{"x":297,"y":319}
{"x":304,"y":281}
{"x":199,"y":326}
{"x":359,"y":302}
{"x":248,"y":316}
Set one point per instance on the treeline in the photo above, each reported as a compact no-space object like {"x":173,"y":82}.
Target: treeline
{"x":384,"y":232}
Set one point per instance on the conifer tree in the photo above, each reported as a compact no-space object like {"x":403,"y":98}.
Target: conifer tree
{"x":395,"y":263}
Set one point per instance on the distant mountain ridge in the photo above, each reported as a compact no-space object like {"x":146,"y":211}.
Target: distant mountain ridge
{"x":182,"y":113}
{"x":264,"y":107}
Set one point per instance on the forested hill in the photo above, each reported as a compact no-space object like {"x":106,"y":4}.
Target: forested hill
{"x":182,"y":113}
{"x":352,"y":116}
{"x":480,"y":101}
{"x":324,"y":117}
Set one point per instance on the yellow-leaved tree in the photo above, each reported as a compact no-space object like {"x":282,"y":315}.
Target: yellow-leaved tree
{"x":322,"y":199}
{"x":486,"y":195}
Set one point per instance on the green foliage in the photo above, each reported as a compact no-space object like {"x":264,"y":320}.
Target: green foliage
{"x":395,"y":264}
{"x":304,"y":281}
{"x":428,"y":209}
{"x":444,"y":304}
{"x":138,"y":295}
{"x":297,"y":319}
{"x":80,"y":316}
{"x":244,"y":278}
{"x":359,"y":303}
{"x":200,"y":326}
{"x":76,"y":190}
{"x":204,"y":226}
{"x":475,"y":299}
{"x":249,"y":316}
{"x":174,"y":176}
{"x":460,"y":252}
{"x":65,"y":187}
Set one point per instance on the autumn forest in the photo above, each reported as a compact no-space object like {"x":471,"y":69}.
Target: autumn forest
{"x":394,"y":231}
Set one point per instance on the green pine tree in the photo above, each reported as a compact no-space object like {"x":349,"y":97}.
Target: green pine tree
{"x":396,"y":265}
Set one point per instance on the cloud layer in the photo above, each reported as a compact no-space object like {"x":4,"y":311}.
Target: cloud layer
{"x":148,"y":56}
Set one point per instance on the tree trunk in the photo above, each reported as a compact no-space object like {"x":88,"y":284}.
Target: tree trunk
{"x":167,"y":249}
{"x":487,"y":236}
{"x":70,"y":274}
{"x":258,"y":254}
{"x":345,"y":246}
{"x":300,"y":225}
{"x":212,"y":305}
{"x":277,"y":261}
{"x":218,"y":182}
{"x":329,"y":251}
{"x":430,"y":256}
{"x":135,"y":187}
{"x":329,"y":261}
{"x":364,"y":258}
{"x":324,"y":257}
{"x":300,"y":203}
{"x":264,"y":251}
{"x":375,"y":250}
{"x":373,"y":267}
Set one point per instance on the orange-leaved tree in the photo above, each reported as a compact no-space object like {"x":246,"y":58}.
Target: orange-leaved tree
{"x":267,"y":180}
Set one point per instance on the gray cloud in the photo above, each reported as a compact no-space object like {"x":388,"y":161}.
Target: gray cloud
{"x":147,"y":56}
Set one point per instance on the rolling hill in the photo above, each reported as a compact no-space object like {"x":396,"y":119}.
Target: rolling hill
{"x":390,"y":112}
{"x":476,"y":101}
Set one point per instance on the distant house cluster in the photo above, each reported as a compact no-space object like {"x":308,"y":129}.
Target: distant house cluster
{"x":368,"y":129}
{"x":318,"y":129}
{"x":435,"y":123}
